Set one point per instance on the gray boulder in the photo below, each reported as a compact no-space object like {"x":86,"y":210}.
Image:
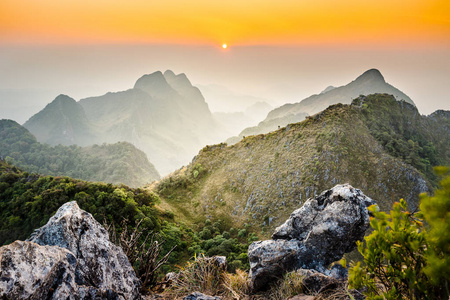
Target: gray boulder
{"x":71,"y":255}
{"x":314,"y":236}
{"x":31,"y":271}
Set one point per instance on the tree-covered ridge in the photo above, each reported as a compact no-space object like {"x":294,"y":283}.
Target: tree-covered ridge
{"x":114,"y":163}
{"x":28,"y":200}
{"x":421,"y":141}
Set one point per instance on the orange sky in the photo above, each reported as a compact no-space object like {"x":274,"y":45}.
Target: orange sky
{"x":235,"y":22}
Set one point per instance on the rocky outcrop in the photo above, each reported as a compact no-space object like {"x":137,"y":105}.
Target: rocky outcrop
{"x":315,"y":235}
{"x":70,"y":257}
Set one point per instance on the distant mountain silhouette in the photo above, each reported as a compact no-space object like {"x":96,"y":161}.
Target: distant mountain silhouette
{"x":221,"y":99}
{"x":164,"y":115}
{"x":235,"y":122}
{"x":370,"y":82}
{"x":63,"y":121}
{"x":329,"y":88}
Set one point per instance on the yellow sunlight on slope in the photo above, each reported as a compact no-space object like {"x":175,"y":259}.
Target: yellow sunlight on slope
{"x":263,"y":22}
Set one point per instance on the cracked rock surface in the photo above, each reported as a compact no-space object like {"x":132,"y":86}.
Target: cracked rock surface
{"x":71,"y":254}
{"x":315,"y":235}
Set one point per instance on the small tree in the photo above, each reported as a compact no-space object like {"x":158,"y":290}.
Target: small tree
{"x":402,"y":259}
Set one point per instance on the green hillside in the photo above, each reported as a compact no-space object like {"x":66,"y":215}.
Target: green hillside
{"x":262,"y":179}
{"x":28,"y":200}
{"x":115,"y":163}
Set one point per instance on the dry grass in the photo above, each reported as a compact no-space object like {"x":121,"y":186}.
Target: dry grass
{"x":237,"y":285}
{"x":289,"y":286}
{"x":340,"y":292}
{"x":205,"y":275}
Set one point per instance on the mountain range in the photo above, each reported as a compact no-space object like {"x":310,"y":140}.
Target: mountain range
{"x":164,"y":115}
{"x":167,"y":117}
{"x":370,"y":82}
{"x":228,"y":196}
{"x":378,"y":144}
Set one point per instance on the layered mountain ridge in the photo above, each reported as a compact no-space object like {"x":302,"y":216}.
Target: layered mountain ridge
{"x":379,"y":144}
{"x":164,"y":115}
{"x":370,"y":82}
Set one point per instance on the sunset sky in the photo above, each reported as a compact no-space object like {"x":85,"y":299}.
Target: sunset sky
{"x":236,"y":22}
{"x":105,"y":45}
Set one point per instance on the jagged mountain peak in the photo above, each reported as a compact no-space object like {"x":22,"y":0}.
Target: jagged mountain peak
{"x":169,"y":73}
{"x":62,"y":121}
{"x":63,"y":104}
{"x":155,"y":84}
{"x":155,"y":77}
{"x":371,"y":75}
{"x":370,"y":82}
{"x":262,"y":175}
{"x":177,"y":81}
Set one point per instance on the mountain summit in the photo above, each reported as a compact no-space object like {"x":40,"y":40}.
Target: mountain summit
{"x":370,"y":82}
{"x":164,"y":115}
{"x":63,"y":121}
{"x":371,"y":75}
{"x":155,"y":85}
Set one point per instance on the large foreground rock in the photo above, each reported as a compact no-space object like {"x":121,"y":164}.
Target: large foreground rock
{"x":315,"y":235}
{"x":70,"y":257}
{"x":31,"y":271}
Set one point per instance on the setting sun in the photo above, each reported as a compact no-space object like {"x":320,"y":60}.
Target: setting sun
{"x":224,"y":46}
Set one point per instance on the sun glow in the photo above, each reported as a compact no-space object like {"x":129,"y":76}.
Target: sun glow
{"x":262,"y":22}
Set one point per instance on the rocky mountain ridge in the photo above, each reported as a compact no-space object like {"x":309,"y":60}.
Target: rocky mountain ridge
{"x":163,"y":115}
{"x":370,"y":82}
{"x":260,"y":179}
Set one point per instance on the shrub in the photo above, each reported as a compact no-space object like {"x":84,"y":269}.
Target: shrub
{"x":436,"y":211}
{"x":403,"y":259}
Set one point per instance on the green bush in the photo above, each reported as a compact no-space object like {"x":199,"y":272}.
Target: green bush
{"x":436,"y":211}
{"x":403,"y":258}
